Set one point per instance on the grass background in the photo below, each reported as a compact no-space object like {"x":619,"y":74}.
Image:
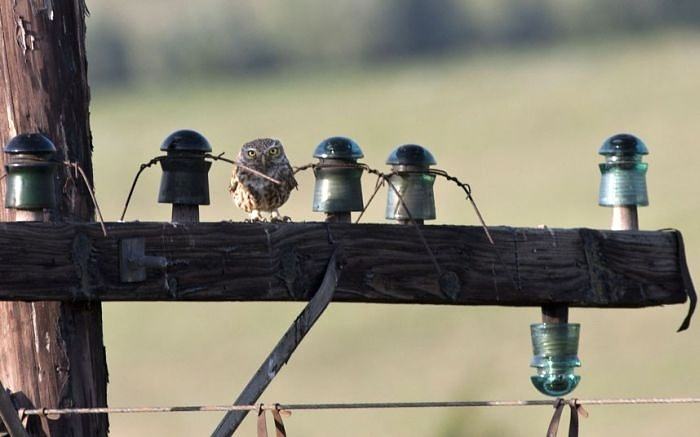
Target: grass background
{"x":523,"y":128}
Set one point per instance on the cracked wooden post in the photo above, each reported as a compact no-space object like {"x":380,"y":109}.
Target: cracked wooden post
{"x":52,"y":352}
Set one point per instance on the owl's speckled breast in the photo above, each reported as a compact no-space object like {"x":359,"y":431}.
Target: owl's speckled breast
{"x":255,"y":193}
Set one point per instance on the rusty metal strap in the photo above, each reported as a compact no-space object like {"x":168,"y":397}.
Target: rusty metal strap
{"x":576,"y":409}
{"x":279,"y":424}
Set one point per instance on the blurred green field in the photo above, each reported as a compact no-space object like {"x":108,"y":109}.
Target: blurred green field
{"x":523,"y":128}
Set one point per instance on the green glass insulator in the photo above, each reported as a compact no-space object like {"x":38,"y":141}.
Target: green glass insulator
{"x":338,"y":178}
{"x":338,"y":189}
{"x":416,"y":189}
{"x":30,"y":185}
{"x":555,"y":350}
{"x":411,"y":165}
{"x":30,"y":172}
{"x":623,"y":183}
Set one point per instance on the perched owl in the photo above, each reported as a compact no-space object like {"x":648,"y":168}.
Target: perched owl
{"x":254,"y":194}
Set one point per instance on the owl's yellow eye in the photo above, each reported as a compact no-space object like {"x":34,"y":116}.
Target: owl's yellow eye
{"x":274,"y":151}
{"x":251,"y":153}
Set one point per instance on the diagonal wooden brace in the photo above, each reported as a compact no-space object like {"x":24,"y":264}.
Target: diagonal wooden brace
{"x":283,"y":351}
{"x":9,"y":416}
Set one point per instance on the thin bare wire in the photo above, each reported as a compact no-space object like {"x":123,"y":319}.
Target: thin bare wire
{"x":55,"y":412}
{"x":468,"y":191}
{"x":415,"y":224}
{"x":377,"y":186}
{"x":385,"y":178}
{"x":79,"y":174}
{"x":220,"y":157}
{"x":157,"y":159}
{"x":308,"y":166}
{"x":142,"y":167}
{"x":91,"y":191}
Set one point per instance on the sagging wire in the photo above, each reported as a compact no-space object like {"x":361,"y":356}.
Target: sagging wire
{"x":79,"y":171}
{"x":357,"y":406}
{"x":383,"y":178}
{"x":387,"y":178}
{"x":142,"y":167}
{"x":279,"y":410}
{"x":470,"y":197}
{"x":218,"y":157}
{"x":79,"y":174}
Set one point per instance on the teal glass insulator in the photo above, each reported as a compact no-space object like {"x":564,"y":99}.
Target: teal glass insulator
{"x":555,"y":357}
{"x":185,"y":178}
{"x":623,"y":174}
{"x":417,"y":192}
{"x":410,"y":164}
{"x":338,"y":185}
{"x":30,"y":172}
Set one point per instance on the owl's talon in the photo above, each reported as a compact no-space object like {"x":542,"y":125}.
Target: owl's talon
{"x":279,"y":219}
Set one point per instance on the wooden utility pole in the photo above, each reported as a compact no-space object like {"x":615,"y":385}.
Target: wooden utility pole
{"x":52,"y":352}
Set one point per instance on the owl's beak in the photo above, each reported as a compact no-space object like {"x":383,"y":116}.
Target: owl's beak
{"x":264,"y":161}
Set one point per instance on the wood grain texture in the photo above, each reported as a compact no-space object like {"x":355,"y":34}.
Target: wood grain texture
{"x":382,"y":264}
{"x":52,"y":352}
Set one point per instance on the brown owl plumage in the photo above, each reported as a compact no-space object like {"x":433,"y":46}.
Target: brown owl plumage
{"x":254,"y":194}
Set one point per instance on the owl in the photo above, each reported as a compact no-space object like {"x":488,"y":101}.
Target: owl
{"x":254,"y":194}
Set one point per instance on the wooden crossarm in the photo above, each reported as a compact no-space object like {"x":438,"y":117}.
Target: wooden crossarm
{"x":383,"y":264}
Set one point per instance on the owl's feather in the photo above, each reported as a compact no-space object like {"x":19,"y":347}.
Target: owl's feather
{"x":252,"y":193}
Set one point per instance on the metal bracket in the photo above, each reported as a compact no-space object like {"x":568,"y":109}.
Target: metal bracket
{"x":133,"y":260}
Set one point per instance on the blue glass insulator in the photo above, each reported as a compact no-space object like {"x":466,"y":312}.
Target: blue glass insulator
{"x":623,"y":174}
{"x":555,"y":357}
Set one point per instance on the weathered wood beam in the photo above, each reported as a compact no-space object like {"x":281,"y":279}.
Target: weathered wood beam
{"x":382,"y":264}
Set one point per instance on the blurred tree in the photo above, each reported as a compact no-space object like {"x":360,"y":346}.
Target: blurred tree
{"x":179,"y":38}
{"x":528,"y":22}
{"x":421,"y":27}
{"x":108,"y":54}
